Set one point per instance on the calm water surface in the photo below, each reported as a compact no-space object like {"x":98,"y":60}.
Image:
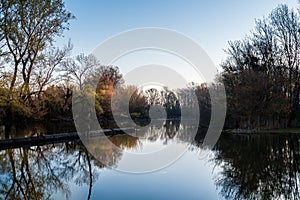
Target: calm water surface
{"x":259,"y":166}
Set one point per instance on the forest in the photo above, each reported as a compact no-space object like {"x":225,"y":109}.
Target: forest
{"x":37,"y":79}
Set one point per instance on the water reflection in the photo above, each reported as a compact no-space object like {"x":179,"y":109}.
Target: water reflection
{"x":262,"y":166}
{"x":38,"y":172}
{"x":161,"y":130}
{"x":258,"y":166}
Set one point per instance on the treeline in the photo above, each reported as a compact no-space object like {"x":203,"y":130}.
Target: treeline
{"x":261,"y":73}
{"x":37,"y":78}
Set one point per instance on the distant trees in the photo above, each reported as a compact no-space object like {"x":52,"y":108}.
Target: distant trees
{"x":261,"y":72}
{"x":130,"y":98}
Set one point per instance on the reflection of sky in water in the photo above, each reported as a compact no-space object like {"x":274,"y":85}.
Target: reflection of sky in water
{"x":188,"y":178}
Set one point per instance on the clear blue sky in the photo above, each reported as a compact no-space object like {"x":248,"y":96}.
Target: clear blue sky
{"x":211,"y":23}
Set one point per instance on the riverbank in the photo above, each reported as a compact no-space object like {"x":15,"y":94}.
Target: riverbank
{"x":258,"y":131}
{"x":284,"y":130}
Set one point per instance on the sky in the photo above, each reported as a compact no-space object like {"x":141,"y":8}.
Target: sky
{"x":210,"y":23}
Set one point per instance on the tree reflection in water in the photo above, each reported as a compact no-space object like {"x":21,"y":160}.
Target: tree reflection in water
{"x":258,"y":166}
{"x":38,"y":172}
{"x":261,"y":166}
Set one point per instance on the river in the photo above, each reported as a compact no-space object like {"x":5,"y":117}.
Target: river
{"x":240,"y":166}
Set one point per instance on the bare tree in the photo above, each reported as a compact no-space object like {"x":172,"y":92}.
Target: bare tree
{"x":47,"y":64}
{"x":286,"y":23}
{"x":79,"y":69}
